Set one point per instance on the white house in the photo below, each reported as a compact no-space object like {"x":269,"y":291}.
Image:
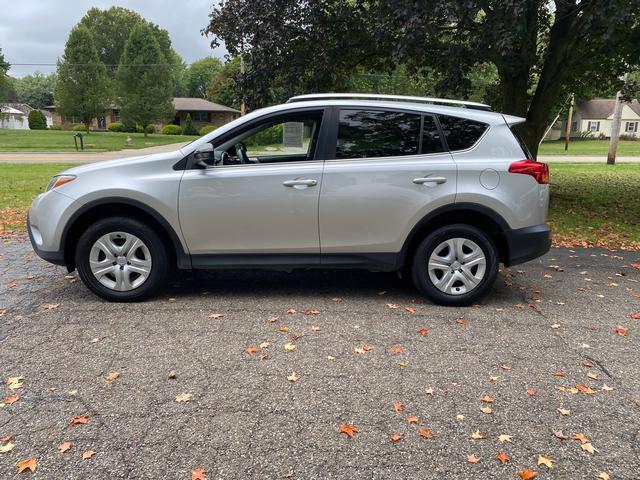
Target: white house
{"x":16,"y":116}
{"x":593,"y":118}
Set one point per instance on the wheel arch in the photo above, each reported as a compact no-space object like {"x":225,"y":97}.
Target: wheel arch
{"x":125,"y":207}
{"x":476,"y":215}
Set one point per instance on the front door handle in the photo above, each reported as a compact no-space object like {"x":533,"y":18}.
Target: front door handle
{"x":423,"y":180}
{"x":307,"y":182}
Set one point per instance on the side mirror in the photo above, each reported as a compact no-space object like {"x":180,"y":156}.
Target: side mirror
{"x":202,"y":154}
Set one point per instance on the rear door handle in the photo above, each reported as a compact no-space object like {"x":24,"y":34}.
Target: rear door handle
{"x":307,"y":182}
{"x":423,"y":180}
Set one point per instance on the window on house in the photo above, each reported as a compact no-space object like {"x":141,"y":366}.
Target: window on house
{"x":593,"y":126}
{"x":631,"y":127}
{"x":200,"y":116}
{"x":116,"y":116}
{"x":574,"y":126}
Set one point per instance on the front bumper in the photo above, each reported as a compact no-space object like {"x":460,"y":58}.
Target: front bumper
{"x":527,"y":243}
{"x":56,"y":256}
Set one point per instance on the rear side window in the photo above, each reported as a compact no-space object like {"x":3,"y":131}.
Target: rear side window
{"x":461,"y":133}
{"x":523,"y":145}
{"x":373,"y":133}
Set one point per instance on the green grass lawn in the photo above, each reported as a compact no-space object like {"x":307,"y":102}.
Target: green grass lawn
{"x":62,"y":140}
{"x":591,"y":204}
{"x":626,"y":148}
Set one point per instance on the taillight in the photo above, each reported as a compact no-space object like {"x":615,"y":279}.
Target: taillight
{"x":538,"y":170}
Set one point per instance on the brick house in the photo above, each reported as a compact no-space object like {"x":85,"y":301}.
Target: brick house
{"x":203,"y":112}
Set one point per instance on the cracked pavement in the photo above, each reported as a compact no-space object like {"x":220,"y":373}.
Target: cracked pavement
{"x":246,"y":420}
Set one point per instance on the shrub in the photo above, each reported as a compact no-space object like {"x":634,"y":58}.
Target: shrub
{"x":139,"y":128}
{"x":171,"y":130}
{"x":206,"y":129}
{"x":81,"y":127}
{"x":116,"y":127}
{"x":37,"y":120}
{"x":55,"y":127}
{"x":150,"y":129}
{"x":189,"y":128}
{"x":268,"y":136}
{"x":129,"y":127}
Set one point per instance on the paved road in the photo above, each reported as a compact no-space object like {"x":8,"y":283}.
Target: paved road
{"x":246,"y":420}
{"x":85,"y":157}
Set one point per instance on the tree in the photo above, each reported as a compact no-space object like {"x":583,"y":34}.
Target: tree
{"x":36,"y":90}
{"x":146,"y":89}
{"x":111,"y":29}
{"x":82,"y":89}
{"x":222,"y":86}
{"x":37,"y":120}
{"x":5,"y":84}
{"x":189,"y":129}
{"x":540,"y":49}
{"x":200,"y":74}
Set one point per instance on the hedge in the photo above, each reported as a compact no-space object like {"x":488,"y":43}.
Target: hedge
{"x":206,"y":129}
{"x":116,"y":127}
{"x":171,"y":130}
{"x":80,"y":128}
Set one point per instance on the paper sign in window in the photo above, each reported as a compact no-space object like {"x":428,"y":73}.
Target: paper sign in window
{"x":293,"y":135}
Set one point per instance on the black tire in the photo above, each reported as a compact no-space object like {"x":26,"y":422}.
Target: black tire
{"x":420,"y":271}
{"x":159,"y":254}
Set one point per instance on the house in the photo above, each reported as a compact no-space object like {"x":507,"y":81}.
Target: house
{"x":16,"y":116}
{"x":203,"y":112}
{"x":593,"y":118}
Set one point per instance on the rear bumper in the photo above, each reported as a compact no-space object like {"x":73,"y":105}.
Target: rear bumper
{"x":56,"y":257}
{"x":527,"y":243}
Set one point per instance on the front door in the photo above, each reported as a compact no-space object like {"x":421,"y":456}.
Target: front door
{"x":260,"y":196}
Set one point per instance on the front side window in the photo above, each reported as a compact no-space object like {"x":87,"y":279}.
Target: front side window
{"x":461,"y":133}
{"x":285,"y":138}
{"x":374,"y":133}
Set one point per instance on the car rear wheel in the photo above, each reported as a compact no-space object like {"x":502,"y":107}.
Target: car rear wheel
{"x":122,"y":259}
{"x":455,"y":265}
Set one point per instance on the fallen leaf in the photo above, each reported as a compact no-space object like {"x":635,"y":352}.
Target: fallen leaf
{"x":349,"y":429}
{"x":392,"y":306}
{"x":560,"y":435}
{"x":311,"y":312}
{"x":7,"y":447}
{"x":11,"y":399}
{"x":635,"y":316}
{"x":184,"y":397}
{"x":87,"y":454}
{"x":396,"y":438}
{"x":50,"y":306}
{"x":216,"y":316}
{"x":198,"y":474}
{"x":289,"y":346}
{"x":29,"y":464}
{"x":487,"y":399}
{"x":363,"y":349}
{"x":284,"y":329}
{"x":527,"y":474}
{"x":425,"y":432}
{"x":251,"y":350}
{"x":111,"y":376}
{"x":412,"y":419}
{"x":504,"y":438}
{"x":172,"y":375}
{"x":336,"y":299}
{"x":293,"y":377}
{"x":410,"y":309}
{"x":15,"y":382}
{"x":565,"y":412}
{"x":263,"y":356}
{"x":272,"y":319}
{"x":486,"y":410}
{"x":502,"y":457}
{"x":94,"y":340}
{"x":620,"y":330}
{"x":504,"y":366}
{"x":587,"y":447}
{"x":331,"y":358}
{"x":603,"y":476}
{"x":398,"y":407}
{"x":580,"y":437}
{"x":315,"y":328}
{"x":63,"y":447}
{"x":472,"y":459}
{"x":428,"y":391}
{"x":592,"y":375}
{"x":606,"y":387}
{"x":531,"y":392}
{"x":79,"y":420}
{"x":6,"y":438}
{"x":461,"y":321}
{"x":396,"y":349}
{"x":423,"y":331}
{"x":585,"y":389}
{"x":545,"y":460}
{"x":478,"y":435}
{"x":555,"y":326}
{"x":558,"y":373}
{"x":264,"y":345}
{"x":291,"y":311}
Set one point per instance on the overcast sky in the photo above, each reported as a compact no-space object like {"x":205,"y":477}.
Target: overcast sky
{"x":35,"y":31}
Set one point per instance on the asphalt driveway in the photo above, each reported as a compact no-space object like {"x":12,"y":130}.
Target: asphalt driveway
{"x":557,"y":333}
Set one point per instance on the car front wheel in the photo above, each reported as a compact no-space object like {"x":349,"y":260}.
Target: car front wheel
{"x":122,"y":259}
{"x":455,"y":265}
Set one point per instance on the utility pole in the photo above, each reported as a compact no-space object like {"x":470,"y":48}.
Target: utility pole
{"x":615,"y":127}
{"x":567,"y":136}
{"x":242,"y":107}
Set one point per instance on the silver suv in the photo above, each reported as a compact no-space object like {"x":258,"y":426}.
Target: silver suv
{"x":441,"y":190}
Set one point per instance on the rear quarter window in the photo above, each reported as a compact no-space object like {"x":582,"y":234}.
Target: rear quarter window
{"x":461,"y":133}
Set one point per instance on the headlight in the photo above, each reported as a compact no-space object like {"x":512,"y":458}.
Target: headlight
{"x":59,"y":180}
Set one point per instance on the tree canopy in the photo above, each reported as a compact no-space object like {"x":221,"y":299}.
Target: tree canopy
{"x":539,"y":50}
{"x":35,"y":90}
{"x":144,"y":86}
{"x":5,"y":86}
{"x":199,"y":75}
{"x":83,"y":88}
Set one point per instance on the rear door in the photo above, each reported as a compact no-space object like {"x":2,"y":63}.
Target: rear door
{"x":390,"y":168}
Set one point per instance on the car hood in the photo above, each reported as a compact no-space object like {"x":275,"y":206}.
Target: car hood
{"x":122,"y":162}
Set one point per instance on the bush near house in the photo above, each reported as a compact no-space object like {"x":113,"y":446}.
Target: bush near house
{"x":37,"y":120}
{"x":171,"y":130}
{"x":206,"y":129}
{"x":189,"y":128}
{"x":55,"y":127}
{"x":80,"y":128}
{"x":116,"y":127}
{"x":150,"y":129}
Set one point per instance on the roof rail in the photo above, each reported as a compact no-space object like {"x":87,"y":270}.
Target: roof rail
{"x":396,"y":98}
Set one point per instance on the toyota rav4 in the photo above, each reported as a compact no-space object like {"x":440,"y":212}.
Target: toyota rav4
{"x":441,"y":190}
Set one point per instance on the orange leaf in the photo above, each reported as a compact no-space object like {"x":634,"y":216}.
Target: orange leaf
{"x":251,"y":349}
{"x":472,"y":459}
{"x":502,"y":457}
{"x":635,"y":316}
{"x":80,"y":420}
{"x":216,"y":316}
{"x":487,"y":399}
{"x":461,"y":321}
{"x":11,"y":399}
{"x":311,"y":312}
{"x":28,"y":464}
{"x":367,"y":348}
{"x":560,"y":435}
{"x":585,"y":389}
{"x":424,"y":331}
{"x":410,"y":309}
{"x":412,"y":419}
{"x":63,"y":447}
{"x":398,"y":407}
{"x":527,"y":474}
{"x":532,"y":392}
{"x":291,"y":311}
{"x":87,"y":454}
{"x":425,"y":432}
{"x":558,"y":373}
{"x":580,"y":437}
{"x":565,"y":412}
{"x":620,"y":330}
{"x":478,"y":435}
{"x":198,"y":474}
{"x":486,"y":410}
{"x":504,"y":366}
{"x":396,"y":349}
{"x":349,"y":429}
{"x":6,"y":438}
{"x":396,"y":438}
